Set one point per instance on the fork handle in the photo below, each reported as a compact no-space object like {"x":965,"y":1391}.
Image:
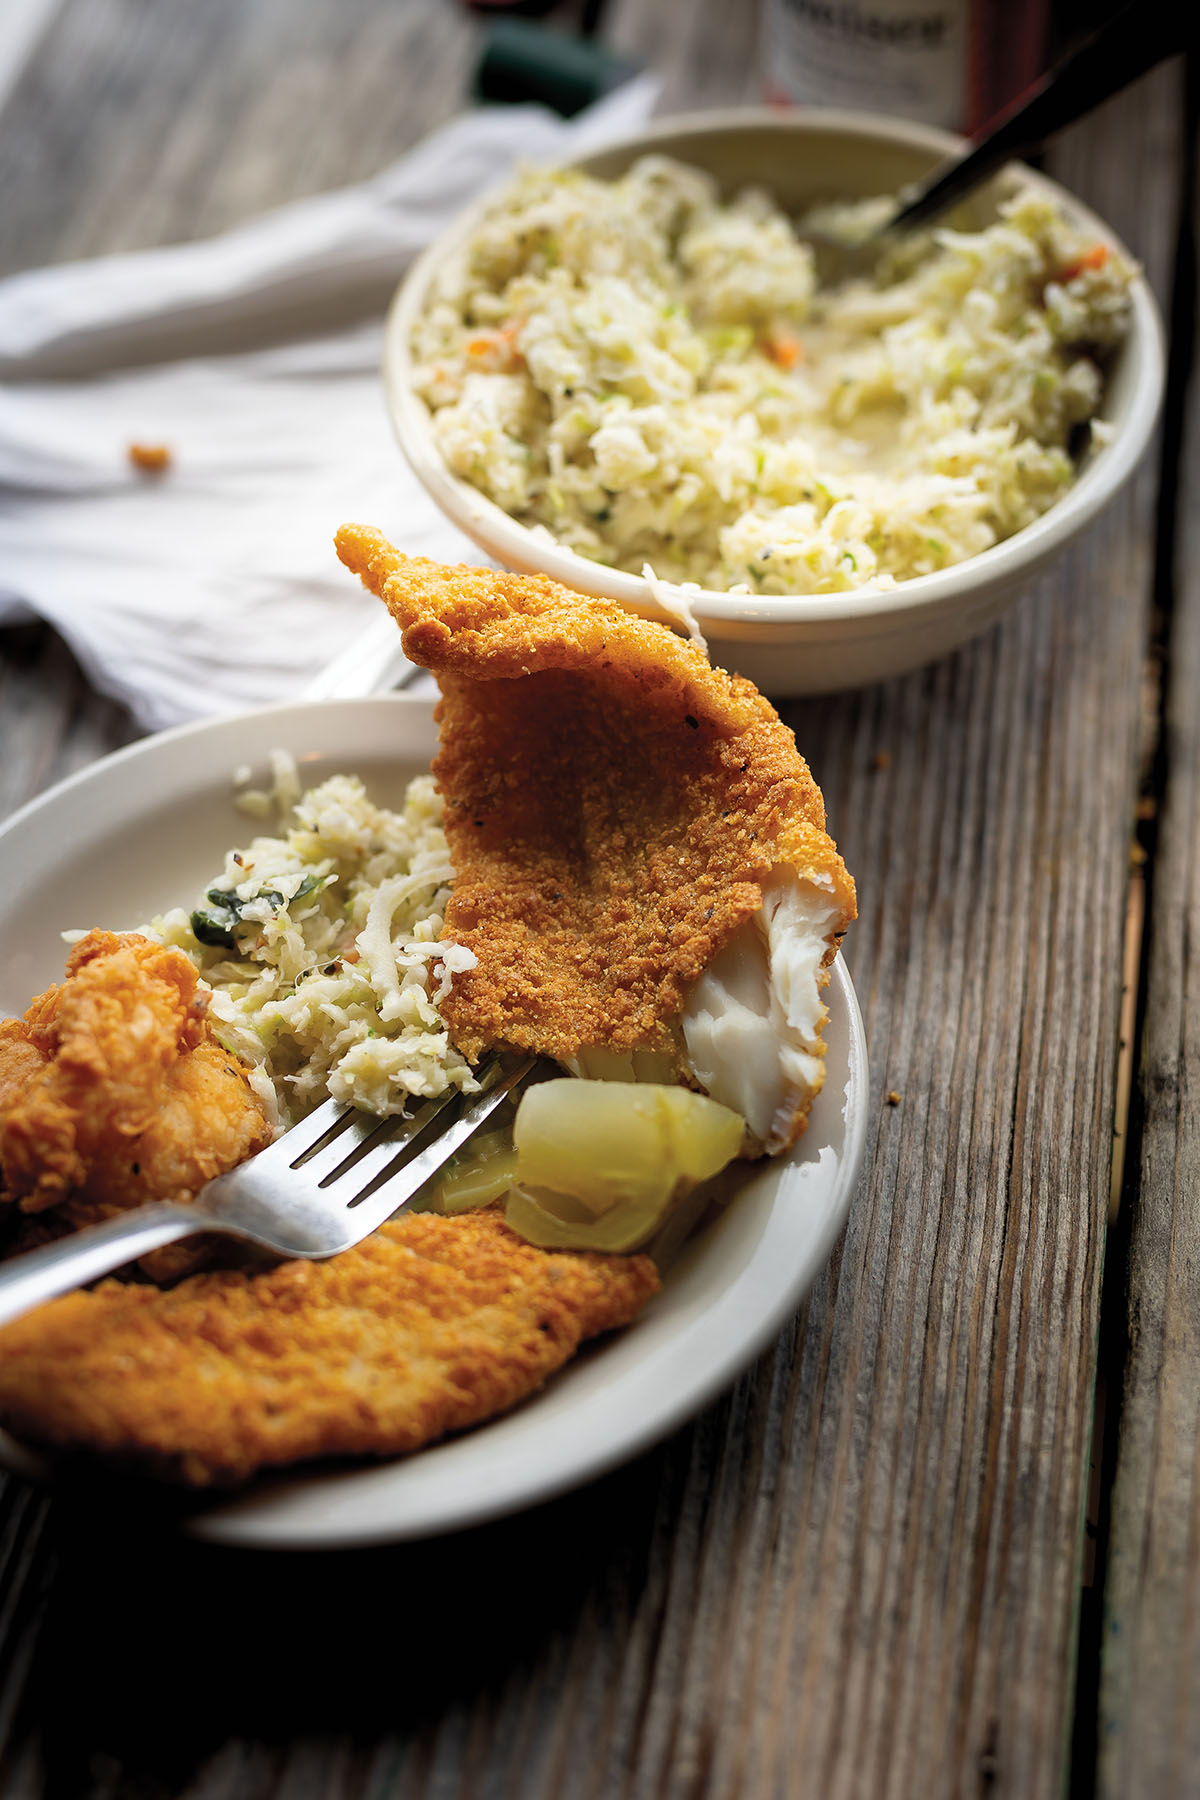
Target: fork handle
{"x":40,"y":1275}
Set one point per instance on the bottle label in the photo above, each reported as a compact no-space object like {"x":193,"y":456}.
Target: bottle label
{"x":888,"y":56}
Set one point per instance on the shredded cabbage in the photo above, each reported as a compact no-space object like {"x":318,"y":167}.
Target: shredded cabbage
{"x":321,"y":947}
{"x":654,"y":376}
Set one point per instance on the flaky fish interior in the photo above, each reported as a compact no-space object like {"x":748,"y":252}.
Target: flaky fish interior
{"x":641,"y":863}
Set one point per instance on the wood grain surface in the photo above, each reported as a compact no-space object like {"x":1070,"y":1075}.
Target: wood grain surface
{"x":861,"y":1572}
{"x":1149,"y":1725}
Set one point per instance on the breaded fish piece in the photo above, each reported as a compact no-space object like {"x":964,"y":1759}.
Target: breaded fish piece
{"x":429,"y":1326}
{"x":114,"y":1090}
{"x":619,"y":814}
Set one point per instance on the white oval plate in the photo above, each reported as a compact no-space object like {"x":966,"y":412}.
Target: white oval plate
{"x":141,"y":831}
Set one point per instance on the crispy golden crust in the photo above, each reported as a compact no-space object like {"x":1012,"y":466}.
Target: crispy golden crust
{"x":612,"y":803}
{"x":114,"y":1091}
{"x":429,"y":1326}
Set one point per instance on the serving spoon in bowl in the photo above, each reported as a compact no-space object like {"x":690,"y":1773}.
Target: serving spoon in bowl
{"x":1134,"y":40}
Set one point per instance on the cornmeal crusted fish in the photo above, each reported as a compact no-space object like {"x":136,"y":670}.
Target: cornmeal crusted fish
{"x":430,"y":1325}
{"x":641,"y":864}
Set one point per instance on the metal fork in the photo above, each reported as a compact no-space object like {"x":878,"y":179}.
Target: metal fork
{"x":323,"y":1186}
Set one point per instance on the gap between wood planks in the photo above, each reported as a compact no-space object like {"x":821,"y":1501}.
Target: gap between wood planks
{"x":1112,"y":1350}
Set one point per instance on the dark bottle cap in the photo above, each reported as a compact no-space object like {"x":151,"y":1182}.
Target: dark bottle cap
{"x":522,"y":61}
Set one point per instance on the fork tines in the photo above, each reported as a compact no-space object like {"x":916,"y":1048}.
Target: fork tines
{"x":336,"y":1143}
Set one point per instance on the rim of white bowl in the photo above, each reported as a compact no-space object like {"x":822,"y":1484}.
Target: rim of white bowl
{"x":1017,"y":557}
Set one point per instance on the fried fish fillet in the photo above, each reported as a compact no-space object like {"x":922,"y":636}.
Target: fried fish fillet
{"x":641,"y":863}
{"x":114,"y":1090}
{"x":431,"y":1325}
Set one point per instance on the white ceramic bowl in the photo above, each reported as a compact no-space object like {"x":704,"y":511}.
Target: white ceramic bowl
{"x":809,"y":644}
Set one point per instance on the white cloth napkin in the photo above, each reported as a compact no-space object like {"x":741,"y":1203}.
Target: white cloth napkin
{"x":214,"y":585}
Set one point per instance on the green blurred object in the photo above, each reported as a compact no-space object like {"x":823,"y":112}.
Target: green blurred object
{"x":522,"y":61}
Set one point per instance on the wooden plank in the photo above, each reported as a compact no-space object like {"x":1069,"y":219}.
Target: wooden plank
{"x":1149,"y":1721}
{"x":21,"y":24}
{"x":140,"y":125}
{"x":51,"y":721}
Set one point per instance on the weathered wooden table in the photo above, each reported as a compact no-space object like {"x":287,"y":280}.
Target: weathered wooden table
{"x":944,"y":1539}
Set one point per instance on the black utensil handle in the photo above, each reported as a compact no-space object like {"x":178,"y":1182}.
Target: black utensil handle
{"x":1133,"y":41}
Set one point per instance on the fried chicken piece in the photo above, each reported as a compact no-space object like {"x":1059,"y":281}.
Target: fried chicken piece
{"x":114,"y":1090}
{"x":634,"y":835}
{"x":429,"y":1326}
